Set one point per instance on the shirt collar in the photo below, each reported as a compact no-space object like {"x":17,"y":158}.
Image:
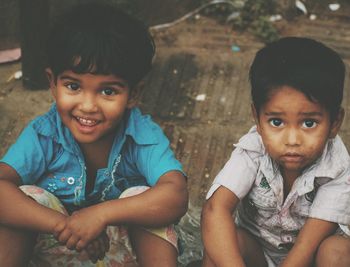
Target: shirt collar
{"x":140,"y":127}
{"x":50,"y":125}
{"x":334,"y":160}
{"x":251,"y":141}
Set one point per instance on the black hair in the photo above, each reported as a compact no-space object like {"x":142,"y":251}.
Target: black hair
{"x":304,"y":64}
{"x":100,"y":39}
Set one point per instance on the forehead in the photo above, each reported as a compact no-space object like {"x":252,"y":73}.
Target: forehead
{"x":287,"y":100}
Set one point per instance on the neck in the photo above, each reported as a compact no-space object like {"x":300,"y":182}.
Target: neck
{"x":97,"y":153}
{"x":289,"y":178}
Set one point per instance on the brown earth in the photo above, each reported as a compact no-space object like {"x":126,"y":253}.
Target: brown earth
{"x":199,"y":93}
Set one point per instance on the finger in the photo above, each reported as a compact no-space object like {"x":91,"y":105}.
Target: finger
{"x":92,"y":252}
{"x":59,"y":228}
{"x":64,"y":236}
{"x":72,"y":242}
{"x":105,"y":239}
{"x":90,"y":248}
{"x":81,"y":245}
{"x":101,"y":249}
{"x":96,"y":249}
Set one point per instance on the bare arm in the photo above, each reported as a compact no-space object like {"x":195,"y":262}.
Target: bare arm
{"x":219,"y":230}
{"x":310,"y":237}
{"x":18,"y":210}
{"x":161,"y":205}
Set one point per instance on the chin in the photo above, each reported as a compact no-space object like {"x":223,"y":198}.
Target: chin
{"x":85,"y":139}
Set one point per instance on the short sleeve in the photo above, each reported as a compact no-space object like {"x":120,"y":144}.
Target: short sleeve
{"x":26,"y":156}
{"x":154,"y":160}
{"x":238,"y":174}
{"x":332,"y":201}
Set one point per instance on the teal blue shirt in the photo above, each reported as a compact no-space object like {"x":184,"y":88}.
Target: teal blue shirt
{"x":46,"y":154}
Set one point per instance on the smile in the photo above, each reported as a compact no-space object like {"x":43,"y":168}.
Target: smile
{"x":86,"y":122}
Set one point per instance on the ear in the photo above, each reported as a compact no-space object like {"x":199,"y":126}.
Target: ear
{"x":256,"y":117}
{"x":336,"y":124}
{"x":135,"y":94}
{"x":52,"y":81}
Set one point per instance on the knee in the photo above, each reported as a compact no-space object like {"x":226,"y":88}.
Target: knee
{"x":334,"y":251}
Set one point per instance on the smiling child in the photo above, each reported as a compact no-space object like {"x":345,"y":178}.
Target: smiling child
{"x":92,"y":179}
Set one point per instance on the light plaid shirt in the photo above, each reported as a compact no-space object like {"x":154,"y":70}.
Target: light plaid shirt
{"x":322,"y":191}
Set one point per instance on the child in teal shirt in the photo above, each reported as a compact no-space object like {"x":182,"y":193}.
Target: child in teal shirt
{"x":102,"y":174}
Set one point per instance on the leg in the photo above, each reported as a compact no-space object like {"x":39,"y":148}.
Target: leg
{"x":152,"y":250}
{"x":207,"y":262}
{"x":333,"y":251}
{"x":15,"y":246}
{"x":250,"y":250}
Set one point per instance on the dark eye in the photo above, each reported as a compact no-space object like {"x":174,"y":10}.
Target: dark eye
{"x":276,"y":122}
{"x":108,"y":91}
{"x":309,"y":124}
{"x":72,"y":86}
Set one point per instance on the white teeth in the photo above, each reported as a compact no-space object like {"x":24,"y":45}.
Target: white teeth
{"x":86,"y":122}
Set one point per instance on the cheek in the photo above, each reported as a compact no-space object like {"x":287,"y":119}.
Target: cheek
{"x":269,"y":143}
{"x":114,"y":112}
{"x":63,"y":106}
{"x":272,"y":143}
{"x":316,"y":148}
{"x":64,"y":100}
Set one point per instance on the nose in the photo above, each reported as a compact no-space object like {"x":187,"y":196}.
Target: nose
{"x":88,"y":103}
{"x":292,"y":137}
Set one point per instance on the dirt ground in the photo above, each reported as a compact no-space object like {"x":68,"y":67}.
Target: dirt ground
{"x":199,"y":93}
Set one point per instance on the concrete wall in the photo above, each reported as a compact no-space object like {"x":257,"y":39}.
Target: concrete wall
{"x":9,"y":24}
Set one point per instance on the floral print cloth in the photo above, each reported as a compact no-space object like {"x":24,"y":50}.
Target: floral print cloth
{"x":48,"y":252}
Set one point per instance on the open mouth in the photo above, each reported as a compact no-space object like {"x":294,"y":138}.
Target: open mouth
{"x":86,"y":122}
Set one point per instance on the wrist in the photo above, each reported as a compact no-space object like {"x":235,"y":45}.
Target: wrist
{"x":107,"y":215}
{"x":100,"y":213}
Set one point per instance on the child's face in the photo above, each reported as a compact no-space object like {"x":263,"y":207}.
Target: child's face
{"x":91,"y":106}
{"x":294,"y":129}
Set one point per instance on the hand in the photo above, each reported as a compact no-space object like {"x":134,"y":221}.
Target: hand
{"x":80,"y":228}
{"x":97,"y":248}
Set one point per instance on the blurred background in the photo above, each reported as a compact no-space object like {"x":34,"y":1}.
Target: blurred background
{"x":198,"y":90}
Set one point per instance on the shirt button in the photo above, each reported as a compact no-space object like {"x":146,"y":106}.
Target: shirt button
{"x":70,"y":180}
{"x":286,"y":238}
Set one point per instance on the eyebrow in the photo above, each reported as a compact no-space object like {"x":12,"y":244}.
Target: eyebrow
{"x":67,"y":77}
{"x":306,"y":114}
{"x":117,"y":83}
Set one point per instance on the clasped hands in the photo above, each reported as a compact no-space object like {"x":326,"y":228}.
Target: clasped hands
{"x":83,"y":231}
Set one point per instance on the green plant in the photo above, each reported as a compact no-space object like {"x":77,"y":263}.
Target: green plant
{"x":264,"y":30}
{"x":254,"y":17}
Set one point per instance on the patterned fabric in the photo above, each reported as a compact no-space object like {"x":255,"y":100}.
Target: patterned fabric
{"x":322,"y":191}
{"x":46,"y":154}
{"x":48,"y":252}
